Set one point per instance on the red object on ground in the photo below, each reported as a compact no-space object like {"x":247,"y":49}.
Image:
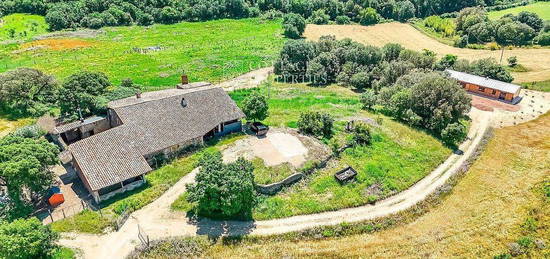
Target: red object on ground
{"x":56,"y":199}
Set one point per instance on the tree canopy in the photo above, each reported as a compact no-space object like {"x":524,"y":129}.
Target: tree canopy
{"x":82,"y":93}
{"x":255,"y":107}
{"x":223,"y":190}
{"x":27,"y":92}
{"x":24,"y":172}
{"x":26,"y":238}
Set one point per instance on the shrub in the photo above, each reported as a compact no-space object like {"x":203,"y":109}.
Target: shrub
{"x":255,"y":106}
{"x":515,"y":33}
{"x":512,"y":61}
{"x":454,"y":133}
{"x":391,"y":51}
{"x":361,"y":80}
{"x":531,"y":19}
{"x":543,"y":39}
{"x":293,"y":59}
{"x":316,"y":124}
{"x":342,"y":19}
{"x":294,"y":25}
{"x":444,"y":26}
{"x":144,"y":19}
{"x":361,"y":135}
{"x":223,"y":190}
{"x":319,"y":17}
{"x":446,"y":62}
{"x":323,"y":69}
{"x":369,"y":16}
{"x":27,"y":238}
{"x":406,"y":11}
{"x":489,"y":67}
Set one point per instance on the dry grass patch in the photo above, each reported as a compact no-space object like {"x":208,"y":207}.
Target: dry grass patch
{"x":486,"y":211}
{"x":536,"y":60}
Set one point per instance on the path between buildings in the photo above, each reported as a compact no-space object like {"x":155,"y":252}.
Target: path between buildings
{"x":157,"y":221}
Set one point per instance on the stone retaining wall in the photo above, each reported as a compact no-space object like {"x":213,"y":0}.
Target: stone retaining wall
{"x":274,"y":188}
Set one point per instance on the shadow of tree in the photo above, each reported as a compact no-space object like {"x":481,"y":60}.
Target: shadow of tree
{"x":215,"y":229}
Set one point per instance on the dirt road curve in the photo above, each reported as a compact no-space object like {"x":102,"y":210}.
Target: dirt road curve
{"x":157,"y":221}
{"x":537,"y":60}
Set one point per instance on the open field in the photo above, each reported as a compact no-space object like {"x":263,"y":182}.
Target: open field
{"x":155,"y":56}
{"x":536,"y":60}
{"x":540,"y":8}
{"x":21,"y":26}
{"x":398,"y":157}
{"x":500,"y":200}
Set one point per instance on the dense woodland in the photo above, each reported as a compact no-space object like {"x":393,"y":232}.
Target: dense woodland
{"x":62,"y":14}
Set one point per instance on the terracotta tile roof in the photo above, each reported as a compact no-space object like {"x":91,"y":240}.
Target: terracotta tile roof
{"x":152,"y":123}
{"x":483,"y":81}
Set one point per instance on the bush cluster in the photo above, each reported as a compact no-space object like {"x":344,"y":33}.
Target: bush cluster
{"x":316,"y":124}
{"x":474,"y":26}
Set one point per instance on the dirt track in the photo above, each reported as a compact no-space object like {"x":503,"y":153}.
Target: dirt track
{"x":537,"y":60}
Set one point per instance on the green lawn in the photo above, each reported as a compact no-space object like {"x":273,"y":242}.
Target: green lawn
{"x":398,"y":157}
{"x":158,"y":182}
{"x":270,"y":174}
{"x":209,"y":51}
{"x":540,"y":8}
{"x":63,"y":253}
{"x":543,"y":86}
{"x":21,"y":26}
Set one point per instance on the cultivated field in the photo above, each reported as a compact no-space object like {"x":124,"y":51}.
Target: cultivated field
{"x":540,"y":8}
{"x":536,"y":60}
{"x":500,"y":200}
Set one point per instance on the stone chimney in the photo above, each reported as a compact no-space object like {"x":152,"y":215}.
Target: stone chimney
{"x":184,"y":79}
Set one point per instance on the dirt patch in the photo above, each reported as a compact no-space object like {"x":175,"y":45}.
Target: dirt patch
{"x":278,"y":147}
{"x":536,"y":60}
{"x":57,"y":44}
{"x":486,"y":104}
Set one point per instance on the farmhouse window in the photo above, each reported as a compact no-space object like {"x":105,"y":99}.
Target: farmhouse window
{"x":481,"y":89}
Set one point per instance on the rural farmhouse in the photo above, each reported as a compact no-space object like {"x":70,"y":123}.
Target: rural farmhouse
{"x":112,"y":154}
{"x":487,"y":87}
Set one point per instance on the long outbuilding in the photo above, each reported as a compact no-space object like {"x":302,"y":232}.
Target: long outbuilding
{"x":487,"y":86}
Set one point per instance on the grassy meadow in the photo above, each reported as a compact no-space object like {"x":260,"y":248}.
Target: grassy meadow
{"x":540,"y":8}
{"x":543,"y":86}
{"x":155,"y":56}
{"x":398,"y":157}
{"x":21,"y":26}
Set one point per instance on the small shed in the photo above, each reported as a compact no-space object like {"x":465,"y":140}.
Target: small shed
{"x":346,"y":175}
